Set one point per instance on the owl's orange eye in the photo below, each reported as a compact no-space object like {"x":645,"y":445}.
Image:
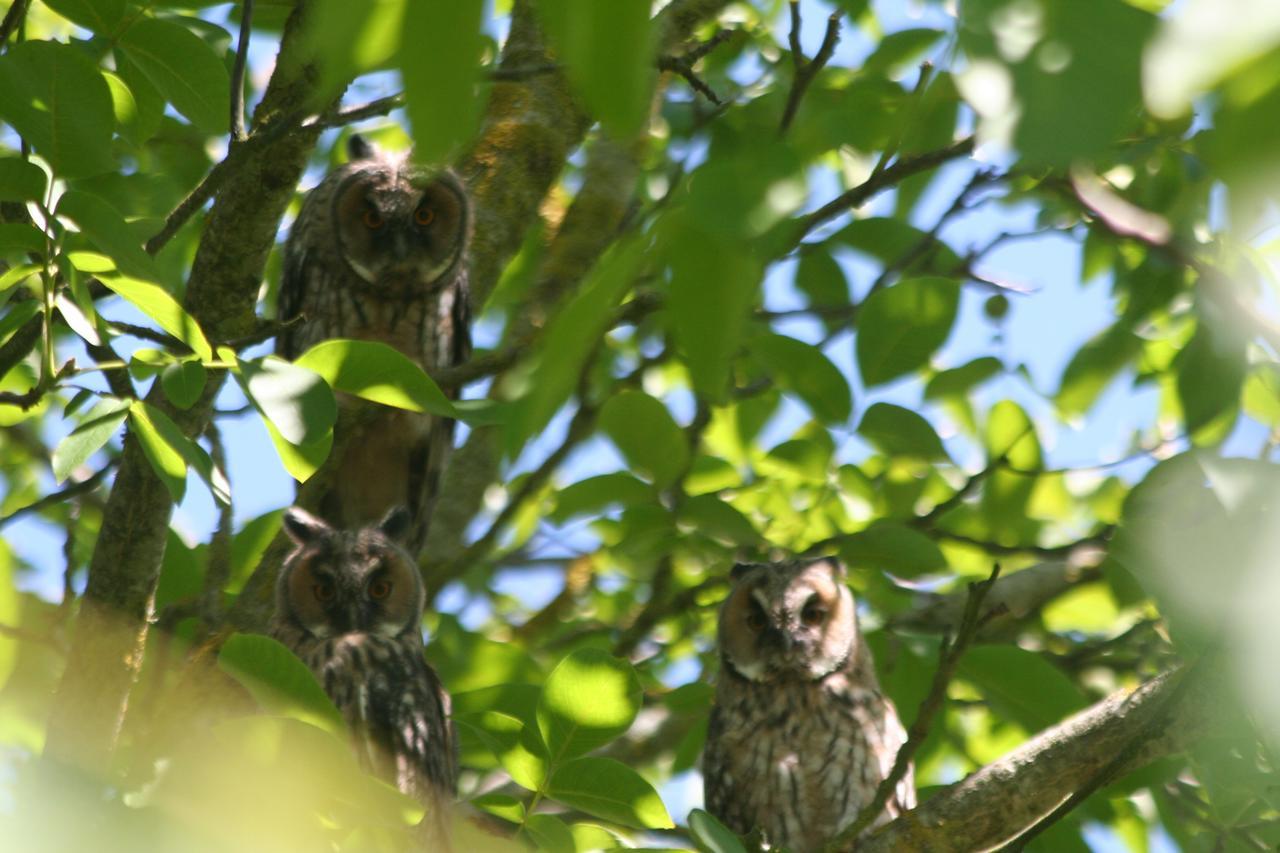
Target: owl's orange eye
{"x":380,"y":589}
{"x":424,"y":215}
{"x":324,"y":590}
{"x":813,"y":614}
{"x":373,"y":218}
{"x":756,"y":620}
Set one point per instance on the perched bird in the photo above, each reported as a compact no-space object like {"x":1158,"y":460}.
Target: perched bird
{"x":349,"y":604}
{"x":800,"y":736}
{"x":379,"y":252}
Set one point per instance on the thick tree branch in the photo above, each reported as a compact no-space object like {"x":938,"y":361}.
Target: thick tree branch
{"x":1000,"y":800}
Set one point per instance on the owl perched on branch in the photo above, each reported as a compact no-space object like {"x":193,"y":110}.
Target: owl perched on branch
{"x":379,"y":253}
{"x":349,"y":604}
{"x":800,"y":736}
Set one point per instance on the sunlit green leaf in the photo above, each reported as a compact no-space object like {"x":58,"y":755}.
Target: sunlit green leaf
{"x":590,"y":698}
{"x":711,"y":836}
{"x":54,"y":96}
{"x":182,"y":382}
{"x":1093,"y":367}
{"x":1021,"y":684}
{"x":102,"y":422}
{"x":609,"y":789}
{"x":184,"y":68}
{"x":157,"y":303}
{"x":145,"y":421}
{"x":280,"y":682}
{"x":348,"y":39}
{"x":594,"y":494}
{"x":377,"y":372}
{"x":439,"y":61}
{"x":294,"y":399}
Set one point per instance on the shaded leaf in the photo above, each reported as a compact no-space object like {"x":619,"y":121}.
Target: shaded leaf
{"x":594,"y":494}
{"x":182,"y":382}
{"x":1093,"y":367}
{"x":611,"y":790}
{"x":184,"y":68}
{"x":99,"y":16}
{"x":21,"y":181}
{"x":900,"y":327}
{"x":806,"y":371}
{"x":646,"y":434}
{"x":280,"y":682}
{"x":440,"y":70}
{"x":901,"y":432}
{"x":892,"y":547}
{"x":550,"y":833}
{"x":1021,"y":685}
{"x":712,"y":836}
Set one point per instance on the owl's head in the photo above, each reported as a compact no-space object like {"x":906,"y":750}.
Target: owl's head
{"x":347,"y":581}
{"x":398,"y":225}
{"x":788,"y":621}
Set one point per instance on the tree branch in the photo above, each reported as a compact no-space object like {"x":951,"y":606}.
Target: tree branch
{"x":1000,"y":800}
{"x":53,"y":498}
{"x":12,"y":20}
{"x":237,"y":71}
{"x":806,"y":69}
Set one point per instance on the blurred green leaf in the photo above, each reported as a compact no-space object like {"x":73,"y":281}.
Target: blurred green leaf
{"x":280,"y":682}
{"x":590,"y":698}
{"x":440,"y":69}
{"x":711,"y":516}
{"x":1021,"y":685}
{"x":900,"y":327}
{"x":21,"y":237}
{"x":95,"y":430}
{"x":959,"y":381}
{"x":516,"y":747}
{"x":901,"y":432}
{"x":9,"y":616}
{"x":711,"y":836}
{"x":377,"y":372}
{"x":892,"y":547}
{"x":108,"y":230}
{"x":1211,"y":372}
{"x":1093,"y":367}
{"x":249,"y":544}
{"x":55,"y":98}
{"x":145,"y":421}
{"x":550,"y":833}
{"x":607,"y":50}
{"x":646,"y":435}
{"x":904,"y":47}
{"x":184,"y":69}
{"x":611,"y":790}
{"x":594,"y":494}
{"x":100,"y":16}
{"x":348,"y":39}
{"x":294,"y":399}
{"x":807,"y":372}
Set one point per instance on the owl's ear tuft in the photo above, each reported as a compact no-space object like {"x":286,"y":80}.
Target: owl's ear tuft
{"x":833,"y":565}
{"x":359,"y":148}
{"x":740,"y":569}
{"x":396,"y":523}
{"x":303,"y":527}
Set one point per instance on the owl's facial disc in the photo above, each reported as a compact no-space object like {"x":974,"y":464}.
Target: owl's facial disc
{"x":796,"y":624}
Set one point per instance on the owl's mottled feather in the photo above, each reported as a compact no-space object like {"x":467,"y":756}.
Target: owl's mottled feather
{"x":379,"y":253}
{"x":800,"y":736}
{"x":349,"y":603}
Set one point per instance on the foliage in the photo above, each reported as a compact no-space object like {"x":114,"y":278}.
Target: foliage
{"x":762,"y":309}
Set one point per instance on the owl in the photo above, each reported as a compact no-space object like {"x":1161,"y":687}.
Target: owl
{"x":379,"y":252}
{"x":800,"y":735}
{"x":349,"y":604}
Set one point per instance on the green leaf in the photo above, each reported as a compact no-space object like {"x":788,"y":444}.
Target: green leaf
{"x":592,"y":495}
{"x":611,"y":790}
{"x":1021,"y":685}
{"x":607,"y":49}
{"x":1093,"y":367}
{"x":570,"y":337}
{"x":102,"y":422}
{"x":590,"y":698}
{"x":10,"y":615}
{"x":192,"y":454}
{"x":303,"y":460}
{"x":79,"y":322}
{"x":295,"y":400}
{"x":714,"y":282}
{"x":516,"y":747}
{"x":646,"y":435}
{"x":901,"y":432}
{"x":377,"y":372}
{"x":819,"y":277}
{"x":892,"y":547}
{"x":348,"y":39}
{"x":57,"y":101}
{"x":249,"y":544}
{"x":16,"y":317}
{"x":16,"y":275}
{"x":21,"y":237}
{"x":959,"y":381}
{"x":806,"y":371}
{"x":182,"y":382}
{"x":99,"y":16}
{"x":504,"y":806}
{"x":185,"y":69}
{"x":165,"y":459}
{"x":21,"y":181}
{"x":888,"y":240}
{"x":158,"y":304}
{"x":108,"y":230}
{"x":712,"y":836}
{"x":550,"y":833}
{"x":440,"y":69}
{"x":900,"y":327}
{"x":1211,"y":373}
{"x":711,"y":516}
{"x":905,"y":47}
{"x":280,"y":682}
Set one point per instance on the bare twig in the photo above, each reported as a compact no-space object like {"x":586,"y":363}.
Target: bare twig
{"x":948,"y":659}
{"x":190,"y":205}
{"x":85,"y":485}
{"x":806,"y":69}
{"x":680,"y":65}
{"x":893,"y":175}
{"x":237,"y":71}
{"x":1003,"y":549}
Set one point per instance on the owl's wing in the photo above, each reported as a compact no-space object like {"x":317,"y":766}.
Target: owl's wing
{"x":717,"y":786}
{"x":894,"y":736}
{"x":460,"y":320}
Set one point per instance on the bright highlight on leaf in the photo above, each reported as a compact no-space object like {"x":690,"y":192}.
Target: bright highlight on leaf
{"x":589,"y":699}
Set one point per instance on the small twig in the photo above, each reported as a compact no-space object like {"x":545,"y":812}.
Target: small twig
{"x":237,"y":71}
{"x":147,"y":334}
{"x":806,"y":69}
{"x":85,"y":485}
{"x":926,"y":72}
{"x":12,"y":20}
{"x":1001,"y":549}
{"x":267,"y":329}
{"x":680,"y":65}
{"x":893,"y":175}
{"x":190,"y":205}
{"x":949,"y":655}
{"x":1122,"y":759}
{"x":943,"y":507}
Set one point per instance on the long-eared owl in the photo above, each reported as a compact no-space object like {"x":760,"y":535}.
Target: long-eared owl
{"x":800,"y":736}
{"x":349,"y":603}
{"x":379,"y":252}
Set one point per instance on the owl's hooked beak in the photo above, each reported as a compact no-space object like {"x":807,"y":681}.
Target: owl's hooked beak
{"x":777,"y":639}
